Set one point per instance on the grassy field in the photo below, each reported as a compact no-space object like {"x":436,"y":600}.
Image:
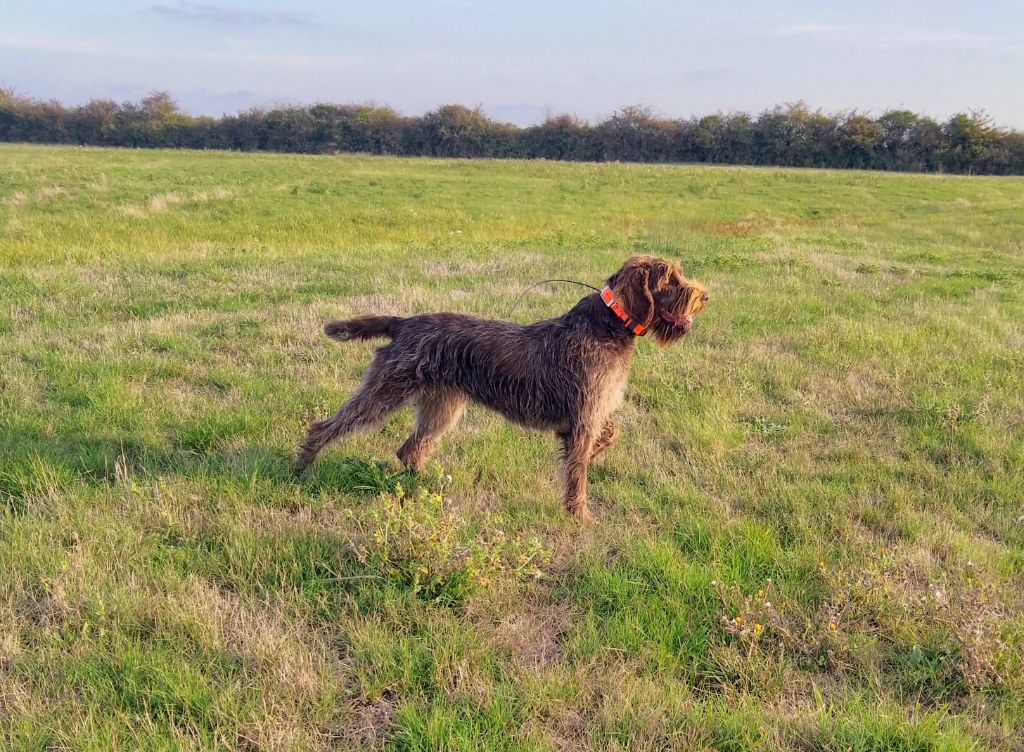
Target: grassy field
{"x":811,"y":531}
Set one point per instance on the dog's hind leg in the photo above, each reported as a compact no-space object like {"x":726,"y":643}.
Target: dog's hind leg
{"x":373,"y":402}
{"x":436,"y":412}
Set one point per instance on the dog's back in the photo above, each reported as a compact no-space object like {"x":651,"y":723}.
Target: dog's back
{"x":518,"y":370}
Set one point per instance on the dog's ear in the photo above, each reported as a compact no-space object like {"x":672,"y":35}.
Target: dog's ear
{"x":634,"y":285}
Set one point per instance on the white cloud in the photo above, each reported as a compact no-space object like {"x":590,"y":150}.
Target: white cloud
{"x":212,"y":14}
{"x":46,"y":44}
{"x":887,"y":38}
{"x":82,"y":47}
{"x":812,"y":29}
{"x":931,"y":39}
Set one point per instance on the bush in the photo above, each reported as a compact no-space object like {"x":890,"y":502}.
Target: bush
{"x":417,"y":543}
{"x":787,"y":135}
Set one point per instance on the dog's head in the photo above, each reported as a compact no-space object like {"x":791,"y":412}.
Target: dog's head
{"x":654,"y":292}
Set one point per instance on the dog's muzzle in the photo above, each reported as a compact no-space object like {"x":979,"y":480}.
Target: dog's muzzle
{"x":682,"y":322}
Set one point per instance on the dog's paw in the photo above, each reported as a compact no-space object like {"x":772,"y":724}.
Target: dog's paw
{"x":583,"y":514}
{"x":303,"y":459}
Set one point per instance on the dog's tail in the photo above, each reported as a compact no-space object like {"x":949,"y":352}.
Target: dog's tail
{"x":363,"y":327}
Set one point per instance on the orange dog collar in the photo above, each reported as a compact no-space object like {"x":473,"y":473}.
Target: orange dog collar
{"x":609,"y":300}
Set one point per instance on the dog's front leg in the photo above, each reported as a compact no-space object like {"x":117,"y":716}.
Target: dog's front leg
{"x":609,"y":433}
{"x":578,"y":444}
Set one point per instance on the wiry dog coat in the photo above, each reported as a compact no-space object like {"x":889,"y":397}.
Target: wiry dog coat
{"x":566,"y":374}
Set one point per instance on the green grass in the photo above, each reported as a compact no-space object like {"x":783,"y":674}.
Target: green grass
{"x":842,"y":436}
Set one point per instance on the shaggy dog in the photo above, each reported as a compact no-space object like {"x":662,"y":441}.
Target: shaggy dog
{"x":565,"y":375}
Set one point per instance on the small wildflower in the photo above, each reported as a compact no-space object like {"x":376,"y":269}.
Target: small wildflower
{"x":832,"y":626}
{"x":758,"y":628}
{"x":738,"y":620}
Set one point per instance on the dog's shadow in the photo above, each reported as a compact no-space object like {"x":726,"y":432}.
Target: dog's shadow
{"x":355,"y":474}
{"x":36,"y":461}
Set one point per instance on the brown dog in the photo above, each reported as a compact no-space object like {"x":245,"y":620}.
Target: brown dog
{"x":566,"y":374}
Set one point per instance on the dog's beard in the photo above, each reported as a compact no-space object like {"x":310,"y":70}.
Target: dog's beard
{"x":673,"y":318}
{"x":666,"y":332}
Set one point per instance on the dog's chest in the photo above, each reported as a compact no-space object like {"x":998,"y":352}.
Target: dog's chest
{"x":610,"y":387}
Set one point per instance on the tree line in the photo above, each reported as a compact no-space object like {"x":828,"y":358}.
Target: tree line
{"x":787,"y":135}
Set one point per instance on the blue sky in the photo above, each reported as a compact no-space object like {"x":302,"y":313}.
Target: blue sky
{"x":521,"y":59}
